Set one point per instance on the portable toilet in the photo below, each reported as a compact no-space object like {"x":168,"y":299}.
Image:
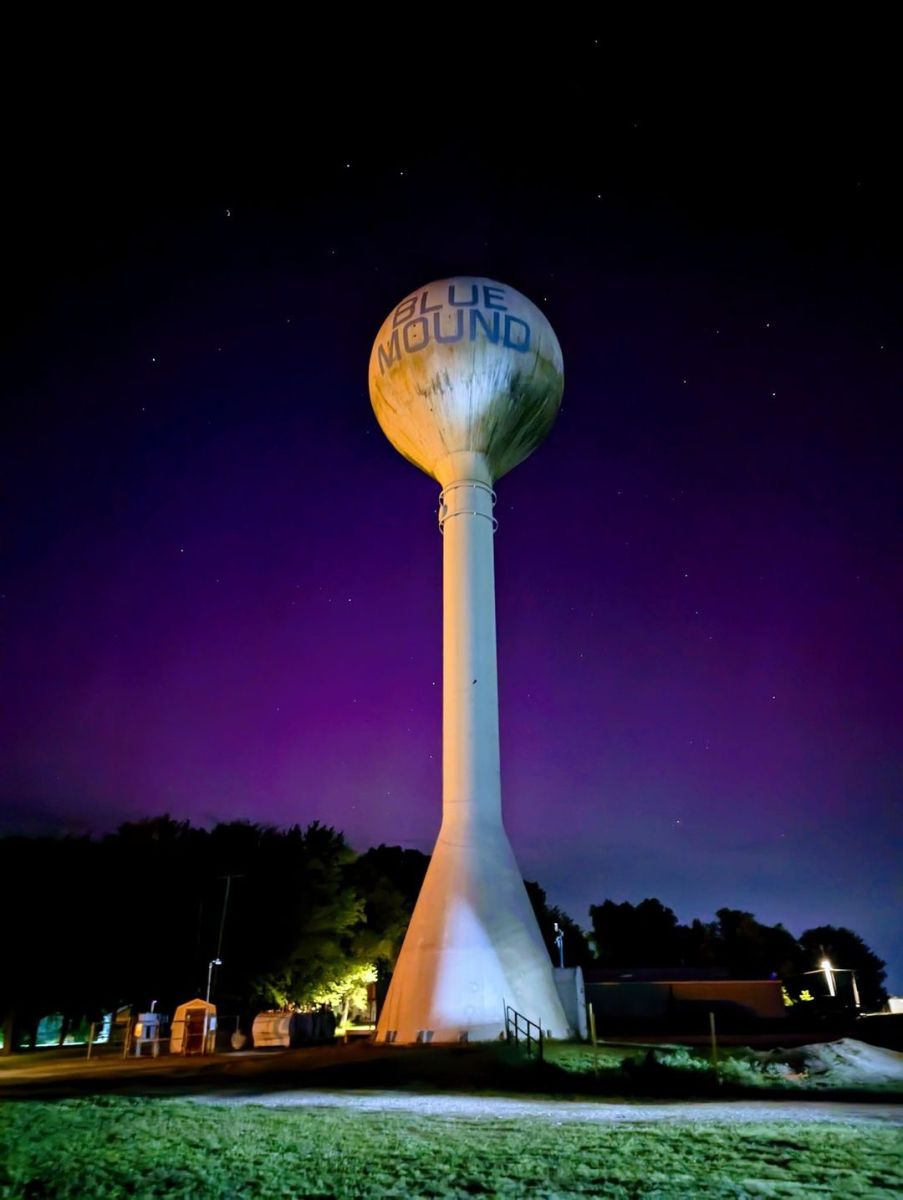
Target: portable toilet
{"x":146,"y":1034}
{"x":193,"y":1028}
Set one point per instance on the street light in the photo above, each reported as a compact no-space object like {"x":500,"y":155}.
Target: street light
{"x":828,"y":968}
{"x":218,"y":962}
{"x":214,"y":962}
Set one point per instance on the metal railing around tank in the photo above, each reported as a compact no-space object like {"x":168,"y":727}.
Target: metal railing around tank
{"x":524,"y":1033}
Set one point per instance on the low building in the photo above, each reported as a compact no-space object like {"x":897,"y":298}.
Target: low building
{"x":680,"y":999}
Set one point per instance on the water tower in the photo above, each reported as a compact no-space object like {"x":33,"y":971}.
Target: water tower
{"x":466,"y":379}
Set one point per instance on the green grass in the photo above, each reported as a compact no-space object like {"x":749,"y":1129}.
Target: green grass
{"x":116,"y":1146}
{"x":578,"y":1056}
{"x":673,"y":1070}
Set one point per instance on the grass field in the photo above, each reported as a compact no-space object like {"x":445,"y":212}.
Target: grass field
{"x":116,"y":1146}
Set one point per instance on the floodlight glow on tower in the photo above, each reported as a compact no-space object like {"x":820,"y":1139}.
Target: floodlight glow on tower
{"x":466,"y":379}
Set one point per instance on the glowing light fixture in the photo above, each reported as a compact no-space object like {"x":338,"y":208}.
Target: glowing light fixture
{"x":828,"y":968}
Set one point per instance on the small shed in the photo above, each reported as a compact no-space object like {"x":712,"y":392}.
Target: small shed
{"x":572,"y":993}
{"x":193,"y":1029}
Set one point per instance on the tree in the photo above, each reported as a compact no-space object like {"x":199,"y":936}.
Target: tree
{"x":152,"y":911}
{"x":751,"y":950}
{"x":51,"y":948}
{"x":297,"y":915}
{"x":286,"y":931}
{"x":641,"y":935}
{"x":138,"y":915}
{"x":388,"y":880}
{"x":349,"y":993}
{"x":847,"y":951}
{"x":699,"y":944}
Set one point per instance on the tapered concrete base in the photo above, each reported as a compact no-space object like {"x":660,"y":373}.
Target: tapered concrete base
{"x":473,"y":946}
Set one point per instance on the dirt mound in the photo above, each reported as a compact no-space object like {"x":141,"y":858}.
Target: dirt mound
{"x":845,"y":1063}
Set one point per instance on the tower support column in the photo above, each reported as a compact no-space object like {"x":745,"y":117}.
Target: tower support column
{"x":471,"y":773}
{"x":473,"y":945}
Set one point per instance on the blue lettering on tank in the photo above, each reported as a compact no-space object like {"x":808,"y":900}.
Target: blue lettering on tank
{"x":474,"y":296}
{"x":524,"y":343}
{"x":439,"y":336}
{"x":394,"y":353}
{"x":448,"y":325}
{"x":489,"y":293}
{"x":491,"y":333}
{"x":406,"y":309}
{"x":407,"y":334}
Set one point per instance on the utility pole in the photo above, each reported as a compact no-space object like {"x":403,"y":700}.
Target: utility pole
{"x":218,"y":960}
{"x":222,"y":919}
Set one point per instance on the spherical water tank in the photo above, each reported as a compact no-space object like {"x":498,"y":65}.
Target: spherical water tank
{"x":466,"y":365}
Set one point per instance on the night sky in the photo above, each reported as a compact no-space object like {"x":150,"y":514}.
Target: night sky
{"x":221,"y":585}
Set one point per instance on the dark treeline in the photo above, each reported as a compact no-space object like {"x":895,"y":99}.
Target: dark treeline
{"x":137,"y":916}
{"x":649,"y":935}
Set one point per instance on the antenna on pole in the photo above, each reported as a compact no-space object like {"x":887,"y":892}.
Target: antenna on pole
{"x":559,"y":942}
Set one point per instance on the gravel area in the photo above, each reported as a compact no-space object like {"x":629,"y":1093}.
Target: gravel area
{"x":557,"y":1111}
